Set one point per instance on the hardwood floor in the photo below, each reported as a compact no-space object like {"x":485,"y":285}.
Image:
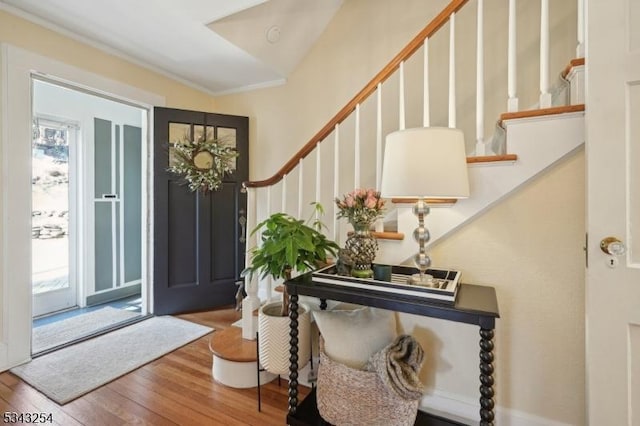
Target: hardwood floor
{"x":176,"y":389}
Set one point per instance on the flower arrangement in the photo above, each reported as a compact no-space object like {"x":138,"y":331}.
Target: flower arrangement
{"x":361,"y":206}
{"x":203,"y":163}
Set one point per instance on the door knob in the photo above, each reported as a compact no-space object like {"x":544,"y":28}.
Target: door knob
{"x":613,"y":246}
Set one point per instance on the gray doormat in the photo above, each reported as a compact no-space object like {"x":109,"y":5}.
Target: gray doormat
{"x":67,"y":330}
{"x":69,"y":373}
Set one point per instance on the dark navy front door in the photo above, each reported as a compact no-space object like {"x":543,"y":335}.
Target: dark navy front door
{"x":198,"y":250}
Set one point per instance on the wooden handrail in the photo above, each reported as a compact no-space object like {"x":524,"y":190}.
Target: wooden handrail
{"x":370,"y":88}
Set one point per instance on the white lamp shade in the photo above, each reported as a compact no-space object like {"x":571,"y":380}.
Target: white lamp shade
{"x":425,"y":162}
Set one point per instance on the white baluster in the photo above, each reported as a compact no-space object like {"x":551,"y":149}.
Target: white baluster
{"x":545,"y":96}
{"x":580,"y":48}
{"x":318,"y":174}
{"x":336,"y":179}
{"x":401,"y":115}
{"x":284,"y":193}
{"x":356,"y":168}
{"x":300,"y":187}
{"x":268,"y":208}
{"x":269,"y":279}
{"x":379,"y":223}
{"x":379,"y":136}
{"x":512,"y":103}
{"x":251,"y":302}
{"x":452,"y":71}
{"x":425,"y":87}
{"x":480,"y":149}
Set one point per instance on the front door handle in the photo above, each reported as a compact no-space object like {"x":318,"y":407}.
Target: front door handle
{"x":242,"y":220}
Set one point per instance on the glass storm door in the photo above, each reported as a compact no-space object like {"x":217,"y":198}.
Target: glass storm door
{"x":53,"y":231}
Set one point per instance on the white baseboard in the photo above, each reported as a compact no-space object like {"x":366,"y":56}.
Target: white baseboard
{"x":466,"y":410}
{"x":455,"y":407}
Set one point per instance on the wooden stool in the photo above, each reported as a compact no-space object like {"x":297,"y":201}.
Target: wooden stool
{"x":235,"y":360}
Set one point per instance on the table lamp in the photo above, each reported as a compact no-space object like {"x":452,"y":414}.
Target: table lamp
{"x":428,"y":162}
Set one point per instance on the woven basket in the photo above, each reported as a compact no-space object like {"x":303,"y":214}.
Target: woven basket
{"x":351,"y":397}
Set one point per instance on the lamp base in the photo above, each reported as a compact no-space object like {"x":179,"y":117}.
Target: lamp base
{"x":424,"y":280}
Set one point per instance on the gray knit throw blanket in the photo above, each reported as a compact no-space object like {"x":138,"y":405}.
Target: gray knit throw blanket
{"x":398,"y":365}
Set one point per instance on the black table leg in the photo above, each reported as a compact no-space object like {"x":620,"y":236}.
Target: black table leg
{"x":293,"y":350}
{"x":486,"y":377}
{"x":323,"y":304}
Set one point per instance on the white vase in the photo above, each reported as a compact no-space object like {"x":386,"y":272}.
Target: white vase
{"x":274,"y":338}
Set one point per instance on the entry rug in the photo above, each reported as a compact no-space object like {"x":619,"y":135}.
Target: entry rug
{"x":71,"y":372}
{"x":60,"y":332}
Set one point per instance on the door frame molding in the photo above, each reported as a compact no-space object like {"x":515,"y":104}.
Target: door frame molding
{"x":17,"y":68}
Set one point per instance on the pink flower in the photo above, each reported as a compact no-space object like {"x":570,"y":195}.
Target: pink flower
{"x":371,"y":202}
{"x":360,"y":205}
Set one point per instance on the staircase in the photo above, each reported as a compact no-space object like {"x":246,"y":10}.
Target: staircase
{"x":347,"y":152}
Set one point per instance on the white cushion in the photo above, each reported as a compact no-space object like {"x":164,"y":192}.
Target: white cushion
{"x":352,"y":336}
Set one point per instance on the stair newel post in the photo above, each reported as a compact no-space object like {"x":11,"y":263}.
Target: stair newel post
{"x":401,"y":114}
{"x":580,"y":47}
{"x":251,"y":302}
{"x":336,"y":178}
{"x":452,"y":71}
{"x":426,"y":112}
{"x":379,"y":222}
{"x":356,"y":168}
{"x":480,"y":147}
{"x":545,"y":96}
{"x":512,"y":103}
{"x":300,"y":187}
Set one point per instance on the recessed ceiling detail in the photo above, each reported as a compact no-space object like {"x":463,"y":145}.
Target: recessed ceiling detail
{"x":217,"y":45}
{"x":291,"y":28}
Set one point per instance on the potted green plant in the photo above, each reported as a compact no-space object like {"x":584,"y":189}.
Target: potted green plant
{"x":287,"y":244}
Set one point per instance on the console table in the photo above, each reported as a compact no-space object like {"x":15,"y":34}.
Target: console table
{"x":474,"y":304}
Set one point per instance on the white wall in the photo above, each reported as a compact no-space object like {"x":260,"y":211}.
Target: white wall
{"x":529,"y":247}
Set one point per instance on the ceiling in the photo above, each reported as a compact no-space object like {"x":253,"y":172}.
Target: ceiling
{"x":220,"y":46}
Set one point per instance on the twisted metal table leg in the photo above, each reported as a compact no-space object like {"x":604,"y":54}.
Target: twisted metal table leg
{"x":486,"y":377}
{"x":293,"y":358}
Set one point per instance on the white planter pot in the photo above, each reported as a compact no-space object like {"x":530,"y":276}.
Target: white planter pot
{"x":274,"y":339}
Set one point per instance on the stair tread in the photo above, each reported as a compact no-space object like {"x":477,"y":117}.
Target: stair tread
{"x":572,"y":64}
{"x":387,"y":235}
{"x":430,"y":201}
{"x":541,"y":112}
{"x":491,"y":158}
